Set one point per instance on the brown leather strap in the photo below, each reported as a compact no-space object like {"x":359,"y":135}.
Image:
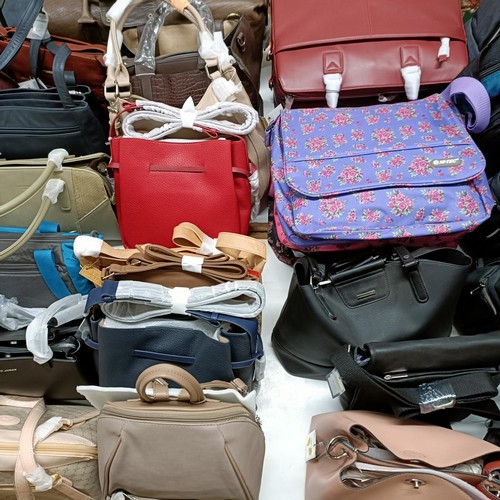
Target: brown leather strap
{"x":240,"y":257}
{"x":238,"y":246}
{"x":166,"y":267}
{"x":173,"y":373}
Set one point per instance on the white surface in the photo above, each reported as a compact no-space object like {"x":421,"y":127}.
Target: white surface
{"x":285,"y":403}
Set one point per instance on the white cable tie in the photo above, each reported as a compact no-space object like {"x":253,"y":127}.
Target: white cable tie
{"x":37,"y":331}
{"x":254,"y":191}
{"x":333,"y":82}
{"x":213,"y":47}
{"x":192,"y":264}
{"x":40,"y":28}
{"x":180,"y":297}
{"x":444,"y":49}
{"x":110,"y":58}
{"x":117,"y":10}
{"x":43,"y":431}
{"x":53,"y":189}
{"x":411,"y":76}
{"x":58,"y":156}
{"x":224,"y":89}
{"x":188,"y":114}
{"x":224,"y":58}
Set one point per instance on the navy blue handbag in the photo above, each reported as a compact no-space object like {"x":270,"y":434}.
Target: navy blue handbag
{"x":208,"y":345}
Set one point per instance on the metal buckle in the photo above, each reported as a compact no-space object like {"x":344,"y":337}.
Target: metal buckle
{"x":330,"y":445}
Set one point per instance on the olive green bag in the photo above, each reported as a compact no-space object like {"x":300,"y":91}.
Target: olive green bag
{"x":85,"y":205}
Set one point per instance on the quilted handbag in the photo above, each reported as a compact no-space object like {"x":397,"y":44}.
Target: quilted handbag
{"x":405,"y":173}
{"x":61,"y":463}
{"x":364,"y":50}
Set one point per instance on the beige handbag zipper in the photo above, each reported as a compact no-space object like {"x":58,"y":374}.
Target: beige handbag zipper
{"x":179,"y":414}
{"x":54,"y":450}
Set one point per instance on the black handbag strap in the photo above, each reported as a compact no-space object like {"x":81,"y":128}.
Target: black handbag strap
{"x":474,"y":391}
{"x":22,"y":30}
{"x":61,"y":54}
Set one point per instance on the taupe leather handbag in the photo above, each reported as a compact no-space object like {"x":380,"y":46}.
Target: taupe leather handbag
{"x":366,"y":455}
{"x":179,"y":448}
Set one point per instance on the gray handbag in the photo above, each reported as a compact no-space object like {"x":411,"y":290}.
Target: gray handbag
{"x":43,"y":269}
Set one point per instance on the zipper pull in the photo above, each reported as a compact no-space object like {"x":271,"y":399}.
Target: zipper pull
{"x":395,"y":376}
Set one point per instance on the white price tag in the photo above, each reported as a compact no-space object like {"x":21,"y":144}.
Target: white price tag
{"x":311,"y":446}
{"x":335,"y":383}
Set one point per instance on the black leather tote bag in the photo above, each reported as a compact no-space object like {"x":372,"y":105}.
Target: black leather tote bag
{"x":33,"y":122}
{"x":391,"y":295}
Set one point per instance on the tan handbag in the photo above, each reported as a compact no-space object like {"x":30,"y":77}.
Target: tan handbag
{"x":86,"y":203}
{"x":366,"y":455}
{"x":54,"y":462}
{"x":118,"y":91}
{"x":179,"y":448}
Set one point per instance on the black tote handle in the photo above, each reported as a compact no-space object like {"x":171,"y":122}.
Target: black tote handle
{"x":22,"y":30}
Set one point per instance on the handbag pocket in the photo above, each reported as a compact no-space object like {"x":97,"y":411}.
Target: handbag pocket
{"x":207,"y":349}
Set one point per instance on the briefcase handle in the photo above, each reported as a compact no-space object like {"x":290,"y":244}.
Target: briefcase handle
{"x":53,"y":187}
{"x":54,"y":163}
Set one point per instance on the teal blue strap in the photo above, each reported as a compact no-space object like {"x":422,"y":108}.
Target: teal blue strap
{"x":44,"y":227}
{"x":47,"y":266}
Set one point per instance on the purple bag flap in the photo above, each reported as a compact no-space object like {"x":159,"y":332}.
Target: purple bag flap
{"x":413,"y":144}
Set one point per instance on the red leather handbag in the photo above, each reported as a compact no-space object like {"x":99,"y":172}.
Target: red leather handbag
{"x":159,"y":184}
{"x":364,"y":50}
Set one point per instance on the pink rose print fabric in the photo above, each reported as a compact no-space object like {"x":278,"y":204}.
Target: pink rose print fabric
{"x":391,"y":172}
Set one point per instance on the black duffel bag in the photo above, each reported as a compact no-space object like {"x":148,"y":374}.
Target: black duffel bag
{"x":439,"y":380}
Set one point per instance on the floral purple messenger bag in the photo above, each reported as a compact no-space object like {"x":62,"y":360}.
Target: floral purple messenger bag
{"x":406,"y":173}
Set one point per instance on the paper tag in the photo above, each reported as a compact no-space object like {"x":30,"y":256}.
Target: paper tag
{"x":32,"y":83}
{"x":335,"y":383}
{"x":273,"y":114}
{"x":93,"y":274}
{"x":311,"y":446}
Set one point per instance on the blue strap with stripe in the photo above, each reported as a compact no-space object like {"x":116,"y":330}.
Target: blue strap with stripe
{"x":47,"y":266}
